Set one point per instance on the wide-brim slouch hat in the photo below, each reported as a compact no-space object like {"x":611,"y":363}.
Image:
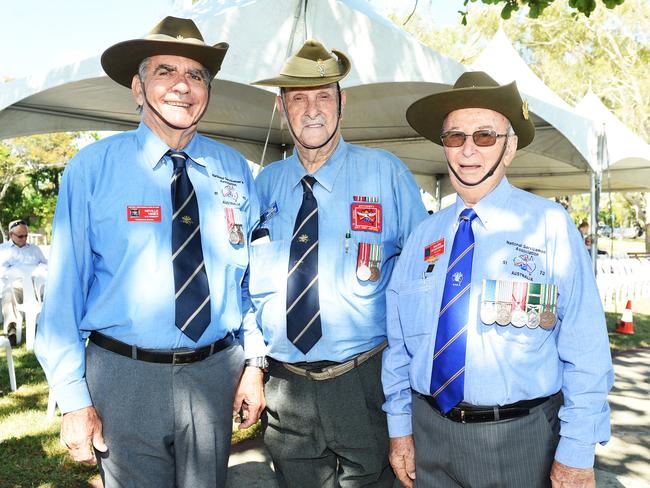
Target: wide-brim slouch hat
{"x":473,"y":89}
{"x":312,"y":65}
{"x":172,"y":36}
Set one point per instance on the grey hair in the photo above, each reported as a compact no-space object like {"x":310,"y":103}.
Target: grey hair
{"x":144,"y":65}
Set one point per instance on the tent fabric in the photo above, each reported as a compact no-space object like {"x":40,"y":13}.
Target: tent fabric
{"x":627,"y":163}
{"x":390,"y":70}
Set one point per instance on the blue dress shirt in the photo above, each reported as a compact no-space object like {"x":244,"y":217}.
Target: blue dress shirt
{"x":506,"y":364}
{"x":353,"y":312}
{"x":113,"y":273}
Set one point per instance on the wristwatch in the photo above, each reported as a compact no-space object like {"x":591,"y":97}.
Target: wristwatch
{"x":258,"y":362}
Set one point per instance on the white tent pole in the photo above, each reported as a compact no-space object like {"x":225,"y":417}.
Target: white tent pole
{"x":296,"y":19}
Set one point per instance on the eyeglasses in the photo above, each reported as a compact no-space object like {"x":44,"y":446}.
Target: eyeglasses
{"x":20,"y":236}
{"x":16,"y":223}
{"x":482,"y":138}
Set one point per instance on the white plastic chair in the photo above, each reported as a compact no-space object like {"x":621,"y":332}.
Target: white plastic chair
{"x":4,"y":344}
{"x":31,"y":306}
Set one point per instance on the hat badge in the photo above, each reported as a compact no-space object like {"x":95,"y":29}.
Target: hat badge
{"x":524,"y":109}
{"x":180,"y":37}
{"x":321,"y":67}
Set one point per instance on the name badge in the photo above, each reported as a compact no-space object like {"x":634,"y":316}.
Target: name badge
{"x":143,"y":213}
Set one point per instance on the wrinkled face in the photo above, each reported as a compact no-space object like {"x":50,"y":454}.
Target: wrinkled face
{"x":19,"y":235}
{"x":472,"y":162}
{"x":176,"y":87}
{"x":313,"y":112}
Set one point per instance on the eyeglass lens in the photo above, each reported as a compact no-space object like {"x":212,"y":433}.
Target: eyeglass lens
{"x":482,"y":138}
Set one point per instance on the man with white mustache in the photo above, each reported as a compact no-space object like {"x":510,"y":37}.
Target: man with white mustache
{"x":334,"y":218}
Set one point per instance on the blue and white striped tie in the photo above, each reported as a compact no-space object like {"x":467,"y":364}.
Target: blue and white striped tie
{"x":448,"y":375}
{"x":190,"y":279}
{"x":303,"y":306}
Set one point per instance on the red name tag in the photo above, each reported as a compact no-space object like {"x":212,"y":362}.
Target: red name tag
{"x":143,"y":213}
{"x":432,"y":251}
{"x":366,"y":216}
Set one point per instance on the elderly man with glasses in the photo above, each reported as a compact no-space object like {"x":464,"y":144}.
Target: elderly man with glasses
{"x":498,"y":364}
{"x":15,"y":252}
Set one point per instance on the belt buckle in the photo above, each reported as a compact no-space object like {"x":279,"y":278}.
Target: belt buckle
{"x":184,"y":357}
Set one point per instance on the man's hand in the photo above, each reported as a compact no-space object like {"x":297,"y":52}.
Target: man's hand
{"x":249,"y":397}
{"x":81,"y":431}
{"x":563,"y":476}
{"x":402,"y":459}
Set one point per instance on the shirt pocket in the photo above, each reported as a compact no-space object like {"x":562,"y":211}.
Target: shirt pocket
{"x":415,"y":306}
{"x":268,"y":268}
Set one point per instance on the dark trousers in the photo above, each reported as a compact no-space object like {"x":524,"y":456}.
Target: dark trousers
{"x":331,"y":433}
{"x":512,"y":453}
{"x":165,"y":425}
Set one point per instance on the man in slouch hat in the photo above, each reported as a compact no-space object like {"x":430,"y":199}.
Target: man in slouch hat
{"x":498,"y":364}
{"x":149,"y":253}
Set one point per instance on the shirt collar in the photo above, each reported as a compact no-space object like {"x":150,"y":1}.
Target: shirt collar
{"x":490,"y":207}
{"x":154,"y":149}
{"x":326,"y":174}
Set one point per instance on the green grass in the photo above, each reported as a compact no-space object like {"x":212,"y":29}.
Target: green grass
{"x":30,"y":453}
{"x":621,"y":246}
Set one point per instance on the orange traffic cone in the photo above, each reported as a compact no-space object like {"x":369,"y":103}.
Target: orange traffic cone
{"x":626,"y":326}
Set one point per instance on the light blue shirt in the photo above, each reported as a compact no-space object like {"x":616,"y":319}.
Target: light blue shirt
{"x":113,"y":273}
{"x":506,"y":364}
{"x":353,"y":312}
{"x":12,"y":255}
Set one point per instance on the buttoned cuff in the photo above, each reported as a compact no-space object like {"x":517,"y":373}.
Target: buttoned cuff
{"x":574,"y":453}
{"x":254,"y":345}
{"x":73,"y":396}
{"x":399,"y":425}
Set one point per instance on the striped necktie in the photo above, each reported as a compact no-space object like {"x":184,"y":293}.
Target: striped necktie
{"x":448,"y":375}
{"x":303,"y":307}
{"x":190,"y":278}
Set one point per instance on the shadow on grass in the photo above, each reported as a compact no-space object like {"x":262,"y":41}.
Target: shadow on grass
{"x":29,"y":461}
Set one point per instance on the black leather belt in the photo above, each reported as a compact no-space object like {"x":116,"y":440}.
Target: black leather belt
{"x":182,"y":356}
{"x":466,"y":413}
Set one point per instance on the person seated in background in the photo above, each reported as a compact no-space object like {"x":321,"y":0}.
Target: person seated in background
{"x":588,"y":241}
{"x":15,"y":252}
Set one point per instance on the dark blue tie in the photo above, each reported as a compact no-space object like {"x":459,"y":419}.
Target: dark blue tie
{"x":448,"y":375}
{"x":190,"y":278}
{"x":303,"y":307}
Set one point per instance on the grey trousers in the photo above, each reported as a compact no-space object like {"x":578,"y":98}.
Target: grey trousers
{"x":9,"y":306}
{"x":165,"y":425}
{"x":512,"y":453}
{"x":326,"y":434}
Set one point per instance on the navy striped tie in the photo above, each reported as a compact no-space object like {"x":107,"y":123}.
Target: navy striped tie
{"x":303,"y":307}
{"x":448,"y":374}
{"x":190,"y":279}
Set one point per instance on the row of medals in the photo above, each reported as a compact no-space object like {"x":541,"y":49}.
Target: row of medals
{"x":236,"y":235}
{"x":502,"y":314}
{"x":368,"y":273}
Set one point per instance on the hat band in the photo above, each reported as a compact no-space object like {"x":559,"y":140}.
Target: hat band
{"x":179,"y":38}
{"x":306,"y":68}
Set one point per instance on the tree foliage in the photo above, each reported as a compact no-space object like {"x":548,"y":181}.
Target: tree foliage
{"x":608,"y":52}
{"x":30,"y":169}
{"x":537,"y":7}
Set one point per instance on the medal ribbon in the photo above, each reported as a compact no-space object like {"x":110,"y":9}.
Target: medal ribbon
{"x":519,"y":294}
{"x":504,"y":291}
{"x":230,"y":218}
{"x":364,"y":254}
{"x":375,"y":254}
{"x":551,"y":297}
{"x":489,"y":290}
